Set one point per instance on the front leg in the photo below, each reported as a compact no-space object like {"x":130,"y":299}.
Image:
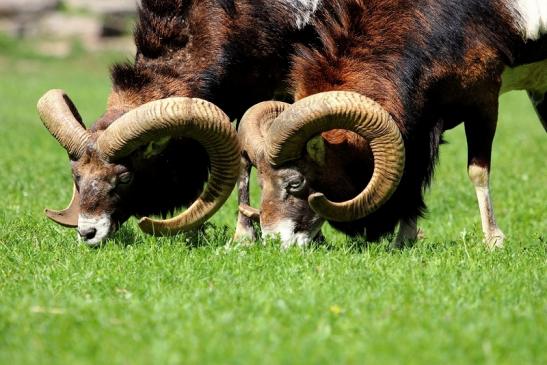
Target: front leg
{"x":479,"y":175}
{"x":408,"y":233}
{"x":245,"y":231}
{"x":480,"y":135}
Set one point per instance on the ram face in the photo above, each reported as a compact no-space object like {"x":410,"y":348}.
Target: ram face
{"x":151,"y":160}
{"x":305,"y":177}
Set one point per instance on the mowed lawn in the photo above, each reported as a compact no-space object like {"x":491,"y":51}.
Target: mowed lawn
{"x":143,"y":300}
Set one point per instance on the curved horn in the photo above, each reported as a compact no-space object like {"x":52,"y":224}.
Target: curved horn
{"x":252,"y":128}
{"x":69,"y":216}
{"x":180,"y":117}
{"x":255,"y":124}
{"x":61,"y":118}
{"x":342,"y":110}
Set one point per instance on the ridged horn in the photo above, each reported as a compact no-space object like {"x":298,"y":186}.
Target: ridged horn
{"x":252,"y":128}
{"x":318,"y":113}
{"x":255,"y":124}
{"x":63,"y":121}
{"x":69,"y":216}
{"x":180,"y":117}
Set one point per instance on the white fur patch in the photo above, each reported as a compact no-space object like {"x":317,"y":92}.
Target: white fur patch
{"x":101,"y":223}
{"x":530,"y":17}
{"x":285,"y":230}
{"x":303,"y":10}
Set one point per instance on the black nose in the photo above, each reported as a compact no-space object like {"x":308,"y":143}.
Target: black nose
{"x":88,"y":233}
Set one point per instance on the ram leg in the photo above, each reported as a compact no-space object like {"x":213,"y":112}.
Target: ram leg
{"x":408,"y":233}
{"x":540,"y":104}
{"x":245,"y":231}
{"x":480,"y":135}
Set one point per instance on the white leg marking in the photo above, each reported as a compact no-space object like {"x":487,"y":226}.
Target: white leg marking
{"x":530,"y":17}
{"x":102,"y":224}
{"x":493,"y":236}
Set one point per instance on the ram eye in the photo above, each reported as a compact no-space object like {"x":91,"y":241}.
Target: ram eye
{"x":296,"y":185}
{"x":76,"y":178}
{"x":125,"y":178}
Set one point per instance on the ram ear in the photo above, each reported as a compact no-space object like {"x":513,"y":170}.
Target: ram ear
{"x":316,"y":150}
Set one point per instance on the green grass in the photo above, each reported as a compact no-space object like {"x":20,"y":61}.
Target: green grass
{"x":142,"y":300}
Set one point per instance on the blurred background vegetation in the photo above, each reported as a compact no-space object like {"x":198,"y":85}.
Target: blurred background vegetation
{"x":58,"y":28}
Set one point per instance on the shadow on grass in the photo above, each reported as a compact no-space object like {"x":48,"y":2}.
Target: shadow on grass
{"x":209,"y":235}
{"x":360,"y":245}
{"x":125,"y":237}
{"x":213,"y":236}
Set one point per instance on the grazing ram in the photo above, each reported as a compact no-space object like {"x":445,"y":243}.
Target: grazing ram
{"x":152,"y":150}
{"x":359,"y":147}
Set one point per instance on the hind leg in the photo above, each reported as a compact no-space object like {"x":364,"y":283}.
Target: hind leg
{"x":480,"y":135}
{"x":540,"y":103}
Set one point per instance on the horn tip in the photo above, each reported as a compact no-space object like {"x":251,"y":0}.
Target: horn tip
{"x":316,"y":199}
{"x":60,"y":218}
{"x":249,"y":212}
{"x":155,"y":228}
{"x":320,"y":204}
{"x":162,"y":228}
{"x":51,"y":214}
{"x":147,"y":226}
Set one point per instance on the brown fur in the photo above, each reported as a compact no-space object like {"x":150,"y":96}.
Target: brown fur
{"x":192,"y":48}
{"x":431,"y":64}
{"x":201,"y":49}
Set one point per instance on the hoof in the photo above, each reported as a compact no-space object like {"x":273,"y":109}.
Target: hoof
{"x":494,"y":240}
{"x":244,"y":233}
{"x":404,"y":239}
{"x":241,"y":242}
{"x":242,"y":238}
{"x":399,"y":244}
{"x":396,"y":245}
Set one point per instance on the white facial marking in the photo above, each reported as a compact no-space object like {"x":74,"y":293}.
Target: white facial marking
{"x":303,"y":10}
{"x":287,"y":235}
{"x":102,"y":224}
{"x":530,"y":17}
